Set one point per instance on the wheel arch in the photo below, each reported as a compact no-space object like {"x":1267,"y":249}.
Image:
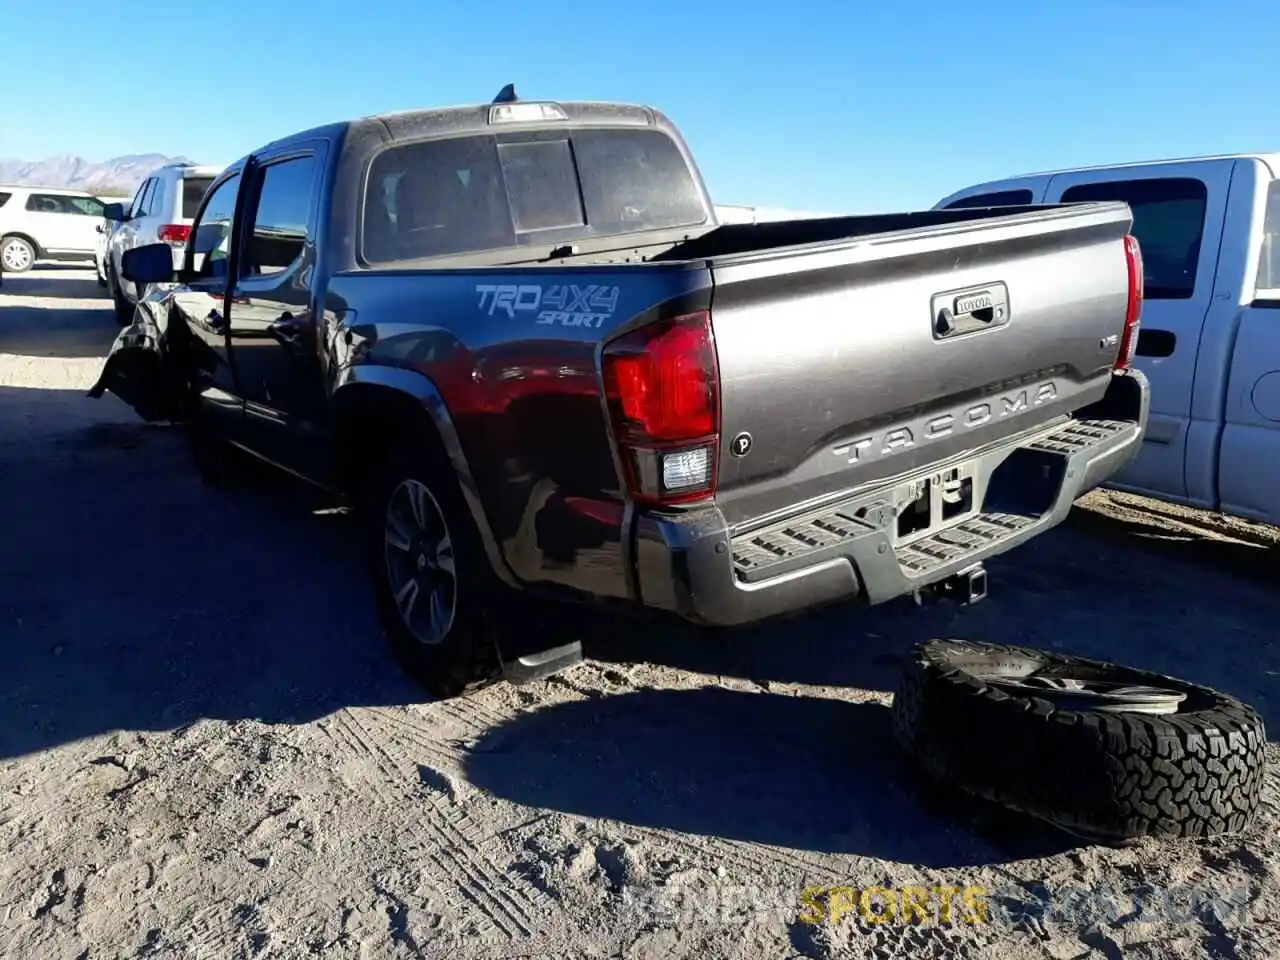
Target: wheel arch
{"x":375,"y":408}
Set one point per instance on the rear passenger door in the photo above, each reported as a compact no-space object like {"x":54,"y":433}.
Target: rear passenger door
{"x":1249,"y":458}
{"x":1178,"y":212}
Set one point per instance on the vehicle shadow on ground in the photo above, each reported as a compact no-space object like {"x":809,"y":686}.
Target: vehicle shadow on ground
{"x":75,"y":283}
{"x":132,"y":597}
{"x":55,"y":332}
{"x":1255,"y":561}
{"x":1070,"y":590}
{"x":135,"y":598}
{"x":808,"y":773}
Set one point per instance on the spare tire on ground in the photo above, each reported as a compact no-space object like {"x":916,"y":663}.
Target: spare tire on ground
{"x":1103,"y":751}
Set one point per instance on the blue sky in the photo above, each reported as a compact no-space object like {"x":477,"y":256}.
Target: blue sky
{"x":813,"y":104}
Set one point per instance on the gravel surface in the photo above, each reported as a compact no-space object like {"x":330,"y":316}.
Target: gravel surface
{"x":205,"y":750}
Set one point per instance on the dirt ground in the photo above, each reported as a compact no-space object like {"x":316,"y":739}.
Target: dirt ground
{"x":206,"y":751}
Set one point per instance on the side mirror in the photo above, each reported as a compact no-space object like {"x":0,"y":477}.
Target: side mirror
{"x":114,"y":212}
{"x":150,"y":264}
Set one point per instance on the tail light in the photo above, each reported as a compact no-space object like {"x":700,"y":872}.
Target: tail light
{"x":663,"y":390}
{"x":175,"y":233}
{"x":1133,"y":312}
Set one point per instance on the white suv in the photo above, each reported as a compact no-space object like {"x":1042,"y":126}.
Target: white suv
{"x":46,"y":223}
{"x":161,"y":212}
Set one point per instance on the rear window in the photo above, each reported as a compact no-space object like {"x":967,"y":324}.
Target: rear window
{"x":1268,"y":283}
{"x":193,"y":191}
{"x":4,"y":198}
{"x":1168,"y":219}
{"x":487,"y":192}
{"x":999,"y":198}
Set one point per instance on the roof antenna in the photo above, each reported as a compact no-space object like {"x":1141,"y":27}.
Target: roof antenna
{"x":507,"y":94}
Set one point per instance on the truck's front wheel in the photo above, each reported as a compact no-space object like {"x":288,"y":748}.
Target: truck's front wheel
{"x":434,"y":589}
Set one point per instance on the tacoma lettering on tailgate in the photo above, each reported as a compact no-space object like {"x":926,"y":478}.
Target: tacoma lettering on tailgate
{"x":942,"y":425}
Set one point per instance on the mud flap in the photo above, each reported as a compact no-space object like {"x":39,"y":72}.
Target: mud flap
{"x":137,"y":371}
{"x":518,"y":669}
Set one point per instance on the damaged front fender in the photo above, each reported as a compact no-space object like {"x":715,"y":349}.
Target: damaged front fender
{"x":145,"y":371}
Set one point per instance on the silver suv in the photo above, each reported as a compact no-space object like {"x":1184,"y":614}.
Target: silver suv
{"x":161,"y":212}
{"x":46,"y":223}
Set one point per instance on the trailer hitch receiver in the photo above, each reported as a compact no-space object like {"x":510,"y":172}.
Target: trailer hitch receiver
{"x":964,"y":588}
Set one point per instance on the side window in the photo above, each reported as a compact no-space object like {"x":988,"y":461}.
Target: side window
{"x":282,"y":218}
{"x":1268,"y":283}
{"x":149,"y":199}
{"x":211,"y":234}
{"x":139,"y":199}
{"x":1168,"y":220}
{"x":999,"y":198}
{"x":45,"y":203}
{"x":4,"y":198}
{"x":85,"y":206}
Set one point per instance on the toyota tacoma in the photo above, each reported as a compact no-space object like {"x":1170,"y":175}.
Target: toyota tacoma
{"x":516,"y":337}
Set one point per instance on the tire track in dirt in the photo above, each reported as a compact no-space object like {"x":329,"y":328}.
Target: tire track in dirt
{"x":751,"y":859}
{"x":496,"y":919}
{"x":444,"y":755}
{"x":508,"y":909}
{"x":471,"y":713}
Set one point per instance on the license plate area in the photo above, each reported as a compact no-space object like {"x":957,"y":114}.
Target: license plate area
{"x":927,"y":504}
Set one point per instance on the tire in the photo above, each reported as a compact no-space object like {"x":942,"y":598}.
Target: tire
{"x":17,"y":254}
{"x":465,"y":657}
{"x":1106,"y":776}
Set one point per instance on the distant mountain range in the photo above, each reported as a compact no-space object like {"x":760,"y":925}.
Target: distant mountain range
{"x":118,"y":176}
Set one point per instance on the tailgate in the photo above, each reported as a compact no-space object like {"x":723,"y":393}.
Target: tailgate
{"x":846,"y":364}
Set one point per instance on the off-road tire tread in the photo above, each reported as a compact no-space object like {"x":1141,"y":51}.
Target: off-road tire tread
{"x":1197,"y":773}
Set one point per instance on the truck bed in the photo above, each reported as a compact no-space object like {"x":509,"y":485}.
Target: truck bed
{"x":739,"y":238}
{"x":830,"y":358}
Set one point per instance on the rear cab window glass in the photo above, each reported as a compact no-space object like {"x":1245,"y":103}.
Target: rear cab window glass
{"x":998,"y":198}
{"x":1268,"y":282}
{"x":542,"y":185}
{"x":484,"y":192}
{"x":193,"y":191}
{"x":1168,"y":220}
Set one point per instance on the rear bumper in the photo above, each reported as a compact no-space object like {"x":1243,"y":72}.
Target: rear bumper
{"x":692,"y":565}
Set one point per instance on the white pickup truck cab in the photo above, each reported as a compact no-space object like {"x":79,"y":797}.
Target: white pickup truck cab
{"x":1209,"y":229}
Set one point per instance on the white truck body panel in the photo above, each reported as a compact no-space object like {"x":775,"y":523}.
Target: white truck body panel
{"x":1210,"y":342}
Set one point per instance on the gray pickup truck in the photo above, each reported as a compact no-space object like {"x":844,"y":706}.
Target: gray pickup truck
{"x":515,"y":336}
